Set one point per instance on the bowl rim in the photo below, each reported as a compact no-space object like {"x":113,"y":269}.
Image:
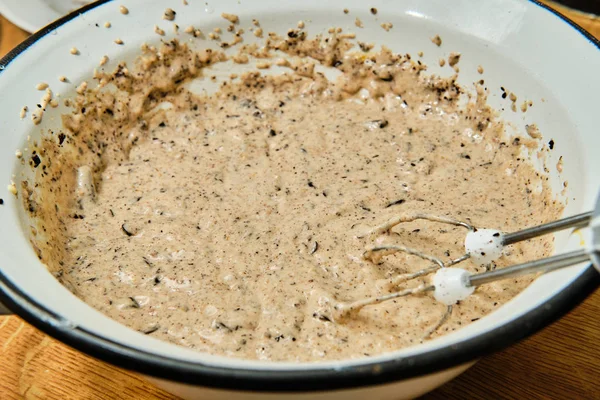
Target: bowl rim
{"x":318,"y":379}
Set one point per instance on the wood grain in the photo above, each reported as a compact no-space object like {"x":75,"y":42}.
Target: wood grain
{"x":561,"y":362}
{"x":10,"y":36}
{"x":589,"y":22}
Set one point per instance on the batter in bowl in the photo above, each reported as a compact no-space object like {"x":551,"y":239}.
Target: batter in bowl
{"x":231,"y":223}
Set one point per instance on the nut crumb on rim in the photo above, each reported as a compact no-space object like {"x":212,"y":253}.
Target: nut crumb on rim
{"x":169,"y":14}
{"x":282,"y":62}
{"x":366,"y":47}
{"x":453,"y":58}
{"x":36,"y":117}
{"x":82,"y":87}
{"x":234,"y":19}
{"x":533,"y":131}
{"x":12,"y":188}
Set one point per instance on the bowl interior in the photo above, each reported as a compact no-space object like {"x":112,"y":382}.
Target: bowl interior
{"x":521,"y":46}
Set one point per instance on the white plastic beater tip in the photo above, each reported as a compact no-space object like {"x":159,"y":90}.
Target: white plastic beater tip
{"x":451,"y":285}
{"x":484,"y":246}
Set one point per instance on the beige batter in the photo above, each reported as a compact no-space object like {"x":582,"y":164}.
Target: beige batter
{"x":229,"y":223}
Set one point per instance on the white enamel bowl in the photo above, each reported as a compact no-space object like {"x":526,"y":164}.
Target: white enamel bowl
{"x":522,"y":46}
{"x":32,"y":15}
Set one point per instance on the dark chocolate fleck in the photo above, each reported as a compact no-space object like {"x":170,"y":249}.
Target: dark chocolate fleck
{"x":381,"y":123}
{"x":393,"y":203}
{"x":36,"y":160}
{"x":135,"y":303}
{"x":124,"y":228}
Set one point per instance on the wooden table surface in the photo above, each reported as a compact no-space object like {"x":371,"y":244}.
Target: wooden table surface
{"x":561,"y":362}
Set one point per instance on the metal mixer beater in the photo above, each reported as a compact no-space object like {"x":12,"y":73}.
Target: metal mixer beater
{"x":450,"y":284}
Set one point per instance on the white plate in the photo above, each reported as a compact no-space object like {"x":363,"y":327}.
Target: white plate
{"x":32,"y":15}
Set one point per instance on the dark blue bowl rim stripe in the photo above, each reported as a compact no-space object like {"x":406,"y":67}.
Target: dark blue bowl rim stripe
{"x":300,"y":380}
